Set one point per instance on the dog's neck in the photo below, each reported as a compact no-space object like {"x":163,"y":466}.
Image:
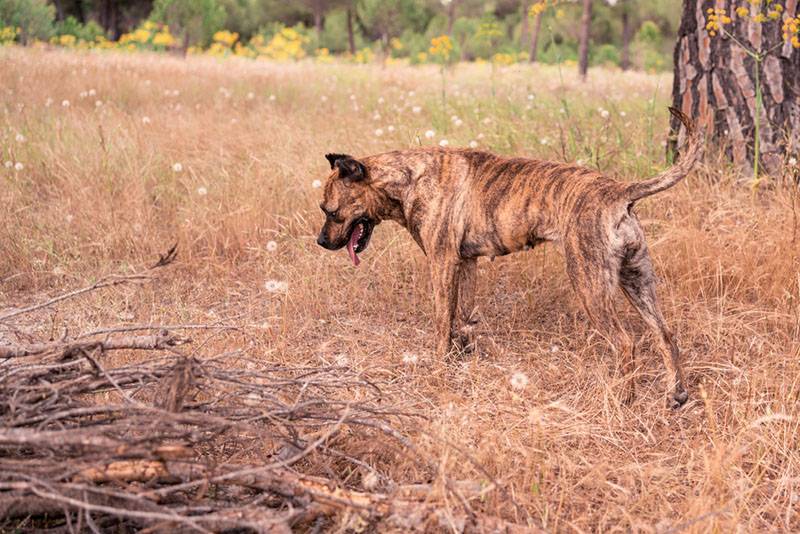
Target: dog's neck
{"x":391,"y":185}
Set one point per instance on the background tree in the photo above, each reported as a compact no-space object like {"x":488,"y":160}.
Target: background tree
{"x":195,"y":21}
{"x":719,"y":83}
{"x":34,"y":18}
{"x":626,"y":14}
{"x":583,"y":45}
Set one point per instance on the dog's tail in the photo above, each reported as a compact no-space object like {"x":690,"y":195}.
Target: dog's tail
{"x":688,"y":157}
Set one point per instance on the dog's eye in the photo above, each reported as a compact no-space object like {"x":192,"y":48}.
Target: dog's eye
{"x":329,"y":214}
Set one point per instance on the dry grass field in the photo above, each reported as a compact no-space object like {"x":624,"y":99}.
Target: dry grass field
{"x":112,"y":158}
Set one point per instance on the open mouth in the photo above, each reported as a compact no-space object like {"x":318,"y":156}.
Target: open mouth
{"x":359,"y":238}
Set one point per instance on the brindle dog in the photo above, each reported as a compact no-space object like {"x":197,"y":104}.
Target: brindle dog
{"x":461,"y":204}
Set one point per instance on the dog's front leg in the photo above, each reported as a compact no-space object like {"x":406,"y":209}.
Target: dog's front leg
{"x":467,"y":278}
{"x":444,"y":276}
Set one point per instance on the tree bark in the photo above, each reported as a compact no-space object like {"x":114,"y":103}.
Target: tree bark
{"x":583,"y":45}
{"x":715,"y":83}
{"x":59,"y":10}
{"x":525,"y":28}
{"x":451,"y":16}
{"x":625,"y":60}
{"x":537,"y":26}
{"x":351,"y":38}
{"x":318,"y":24}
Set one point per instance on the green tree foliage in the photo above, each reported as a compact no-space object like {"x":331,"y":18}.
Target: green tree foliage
{"x":34,"y":18}
{"x":195,"y":21}
{"x":72,"y":26}
{"x":383,"y":19}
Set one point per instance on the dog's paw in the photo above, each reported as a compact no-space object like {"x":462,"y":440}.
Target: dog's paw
{"x":677,"y":399}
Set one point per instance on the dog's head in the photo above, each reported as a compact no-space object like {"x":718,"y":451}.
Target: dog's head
{"x":349,"y":207}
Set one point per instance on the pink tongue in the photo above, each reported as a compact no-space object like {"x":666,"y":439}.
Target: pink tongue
{"x":351,"y":246}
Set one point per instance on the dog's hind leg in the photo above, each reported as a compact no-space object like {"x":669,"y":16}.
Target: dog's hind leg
{"x":444,"y":276}
{"x":463,"y":335}
{"x":595,"y":280}
{"x":638,"y":283}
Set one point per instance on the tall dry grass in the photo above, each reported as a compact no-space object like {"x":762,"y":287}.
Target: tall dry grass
{"x":159,"y":150}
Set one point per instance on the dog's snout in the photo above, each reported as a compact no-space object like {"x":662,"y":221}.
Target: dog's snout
{"x":322,"y":241}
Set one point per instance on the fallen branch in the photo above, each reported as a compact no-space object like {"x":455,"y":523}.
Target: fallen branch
{"x":161,"y":341}
{"x":108,"y":281}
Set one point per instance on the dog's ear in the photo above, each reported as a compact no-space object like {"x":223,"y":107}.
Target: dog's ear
{"x":333,"y":158}
{"x":350,"y":169}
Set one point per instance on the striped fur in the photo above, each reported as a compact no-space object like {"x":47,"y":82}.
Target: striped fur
{"x":459,"y":205}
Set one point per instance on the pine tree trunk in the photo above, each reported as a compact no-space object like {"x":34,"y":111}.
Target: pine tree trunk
{"x":537,"y":26}
{"x":625,"y":61}
{"x":451,"y":17}
{"x":583,"y":45}
{"x":318,"y":24}
{"x":525,"y":27}
{"x":351,"y":38}
{"x":715,"y":79}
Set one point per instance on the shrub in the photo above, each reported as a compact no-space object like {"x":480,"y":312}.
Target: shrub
{"x":606,"y":54}
{"x":195,"y":21}
{"x":33,"y":18}
{"x":88,"y":32}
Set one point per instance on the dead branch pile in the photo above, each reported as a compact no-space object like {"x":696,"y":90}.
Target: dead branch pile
{"x":179,"y":442}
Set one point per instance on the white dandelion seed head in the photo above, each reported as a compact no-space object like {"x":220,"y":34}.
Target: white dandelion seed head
{"x":65,"y":103}
{"x":544,"y":141}
{"x":531,"y":96}
{"x":416,"y":109}
{"x":20,"y":138}
{"x":272,"y":98}
{"x":145,"y":120}
{"x":378,"y":132}
{"x":410,"y":358}
{"x":390,"y":128}
{"x":376,"y":117}
{"x":202,"y":191}
{"x":481,"y":136}
{"x":604,"y":113}
{"x":487,"y":120}
{"x":83,"y":94}
{"x":69,"y":218}
{"x":381,"y":100}
{"x":324,"y":98}
{"x":430,"y":134}
{"x":473,"y":144}
{"x":316,"y":184}
{"x":458,"y":122}
{"x":234,"y":120}
{"x":48,"y":102}
{"x":444,"y":142}
{"x":453,"y":118}
{"x":554,"y":348}
{"x":622,"y":114}
{"x":272,"y":246}
{"x":18,"y":166}
{"x":411,"y":93}
{"x":276,"y":286}
{"x":519,"y":380}
{"x":92,"y":92}
{"x":177,"y":167}
{"x":251,"y":95}
{"x":793,"y":161}
{"x":562,"y":110}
